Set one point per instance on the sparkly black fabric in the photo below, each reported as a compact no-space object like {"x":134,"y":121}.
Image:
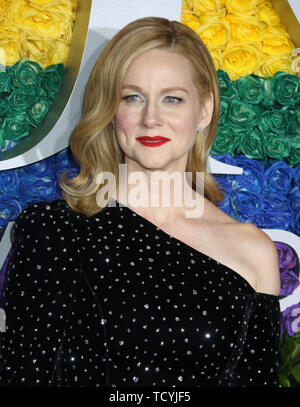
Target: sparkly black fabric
{"x":141,"y":308}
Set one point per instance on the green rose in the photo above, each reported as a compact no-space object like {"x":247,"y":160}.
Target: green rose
{"x":276,"y":145}
{"x":5,"y":81}
{"x":293,"y":140}
{"x":14,"y":129}
{"x":21,"y":99}
{"x":38,"y":110}
{"x":227,"y":90}
{"x":2,"y":139}
{"x":273,"y":121}
{"x":3,"y":107}
{"x":251,"y":144}
{"x":293,"y":120}
{"x":223,"y":111}
{"x":241,"y":116}
{"x":226,"y":141}
{"x":294,"y":157}
{"x":51,"y":79}
{"x":26,"y":73}
{"x":250,"y":89}
{"x":283,"y":88}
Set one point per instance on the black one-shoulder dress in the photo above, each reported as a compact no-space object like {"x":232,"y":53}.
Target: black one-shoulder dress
{"x":113,"y":300}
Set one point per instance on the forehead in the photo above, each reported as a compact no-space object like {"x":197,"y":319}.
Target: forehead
{"x":162,"y":65}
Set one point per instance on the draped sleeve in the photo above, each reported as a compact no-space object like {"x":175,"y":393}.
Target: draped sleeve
{"x":256,"y":360}
{"x":45,"y":343}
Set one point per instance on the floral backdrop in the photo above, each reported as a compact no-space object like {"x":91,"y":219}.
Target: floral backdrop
{"x":259,"y":127}
{"x":35,"y":38}
{"x":259,"y":131}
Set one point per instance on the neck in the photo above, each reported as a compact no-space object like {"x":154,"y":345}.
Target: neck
{"x":160,"y":196}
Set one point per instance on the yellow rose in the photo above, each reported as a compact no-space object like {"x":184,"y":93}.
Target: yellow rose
{"x":4,"y":4}
{"x":61,"y":52}
{"x":187,"y":4}
{"x":194,"y":25}
{"x":241,"y":59}
{"x":267,"y":14}
{"x":241,"y":5}
{"x":40,"y":30}
{"x":276,"y":41}
{"x":9,"y":53}
{"x":41,"y":18}
{"x":44,"y":52}
{"x":213,"y":31}
{"x":37,"y":49}
{"x":270,"y":65}
{"x":204,"y":6}
{"x":189,"y":17}
{"x":217,"y":57}
{"x":2,"y":57}
{"x":9,"y":39}
{"x":244,"y":27}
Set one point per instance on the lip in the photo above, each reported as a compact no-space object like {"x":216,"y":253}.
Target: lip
{"x":147,"y":138}
{"x":144,"y":141}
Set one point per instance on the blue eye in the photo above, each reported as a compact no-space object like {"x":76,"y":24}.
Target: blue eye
{"x":173,"y":99}
{"x":131,"y":98}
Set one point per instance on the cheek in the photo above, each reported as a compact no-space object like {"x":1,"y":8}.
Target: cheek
{"x":126,"y":120}
{"x":185,"y":123}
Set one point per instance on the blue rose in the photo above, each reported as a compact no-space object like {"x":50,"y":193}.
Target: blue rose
{"x":39,"y":169}
{"x":258,"y":220}
{"x":294,"y":198}
{"x":277,"y":217}
{"x":278,"y":178}
{"x":224,"y":158}
{"x":224,"y":182}
{"x":246,"y":203}
{"x":34,"y":188}
{"x":9,"y":184}
{"x":278,"y":212}
{"x":277,"y":202}
{"x":64,"y":160}
{"x":9,"y":210}
{"x":253,"y":173}
{"x":297,"y":175}
{"x":295,"y":224}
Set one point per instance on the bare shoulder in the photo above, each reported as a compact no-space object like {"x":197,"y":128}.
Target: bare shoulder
{"x":262,"y":255}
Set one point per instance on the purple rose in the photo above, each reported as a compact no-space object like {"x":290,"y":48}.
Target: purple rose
{"x":291,"y":319}
{"x":288,"y":282}
{"x":286,"y":256}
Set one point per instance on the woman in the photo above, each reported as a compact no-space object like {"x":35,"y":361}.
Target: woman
{"x":117,"y":294}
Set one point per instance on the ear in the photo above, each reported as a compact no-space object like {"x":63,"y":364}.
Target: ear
{"x":207,"y":107}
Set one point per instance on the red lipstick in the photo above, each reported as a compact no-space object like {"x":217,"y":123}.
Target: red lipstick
{"x":153,"y":141}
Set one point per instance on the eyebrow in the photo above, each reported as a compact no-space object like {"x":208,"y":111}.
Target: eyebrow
{"x":164,"y":90}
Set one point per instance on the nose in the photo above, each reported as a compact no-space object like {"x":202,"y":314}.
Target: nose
{"x":152,"y":115}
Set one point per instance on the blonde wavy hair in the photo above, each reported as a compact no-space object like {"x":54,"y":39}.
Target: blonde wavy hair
{"x":93,"y":141}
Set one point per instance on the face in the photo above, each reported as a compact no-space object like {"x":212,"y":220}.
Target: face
{"x":159,"y":100}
